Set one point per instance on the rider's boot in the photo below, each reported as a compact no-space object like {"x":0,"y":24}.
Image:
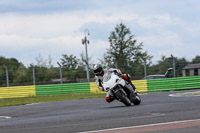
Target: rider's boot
{"x":134,"y":88}
{"x":132,"y":95}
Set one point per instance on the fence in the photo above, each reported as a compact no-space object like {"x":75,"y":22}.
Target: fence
{"x":40,"y":76}
{"x":179,"y":83}
{"x":35,"y":75}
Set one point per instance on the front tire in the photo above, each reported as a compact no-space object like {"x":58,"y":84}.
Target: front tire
{"x":123,"y":98}
{"x":137,"y":100}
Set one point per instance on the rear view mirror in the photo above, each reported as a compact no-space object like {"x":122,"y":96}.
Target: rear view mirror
{"x":167,"y":72}
{"x":170,"y":69}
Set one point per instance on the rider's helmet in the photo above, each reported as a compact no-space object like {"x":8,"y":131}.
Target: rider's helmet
{"x":98,"y":70}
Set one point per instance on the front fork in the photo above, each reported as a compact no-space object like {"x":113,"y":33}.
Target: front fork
{"x":122,"y":90}
{"x":132,"y":92}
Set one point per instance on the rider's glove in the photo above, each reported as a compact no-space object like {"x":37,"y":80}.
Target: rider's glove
{"x":101,"y":89}
{"x":118,"y":73}
{"x":107,"y":89}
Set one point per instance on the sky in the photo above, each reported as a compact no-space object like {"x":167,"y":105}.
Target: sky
{"x":30,"y":29}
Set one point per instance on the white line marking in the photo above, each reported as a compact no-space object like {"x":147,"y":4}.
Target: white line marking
{"x":4,"y":117}
{"x":32,"y":103}
{"x":179,"y":95}
{"x":186,"y":94}
{"x":157,"y":124}
{"x":146,"y":116}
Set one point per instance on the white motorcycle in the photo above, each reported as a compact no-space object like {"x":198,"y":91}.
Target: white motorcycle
{"x":122,"y":90}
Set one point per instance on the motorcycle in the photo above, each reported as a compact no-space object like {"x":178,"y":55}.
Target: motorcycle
{"x":122,"y":90}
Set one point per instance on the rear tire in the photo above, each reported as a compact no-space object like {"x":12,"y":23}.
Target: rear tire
{"x":123,"y":98}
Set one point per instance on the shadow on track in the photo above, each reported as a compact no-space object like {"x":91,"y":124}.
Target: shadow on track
{"x":118,"y":106}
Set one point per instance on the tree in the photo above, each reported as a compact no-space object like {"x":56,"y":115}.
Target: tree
{"x":162,"y":66}
{"x":167,"y":62}
{"x":40,"y":61}
{"x":69,"y":62}
{"x":70,"y":65}
{"x":196,"y":60}
{"x":124,"y":51}
{"x":13,"y":65}
{"x":21,"y":76}
{"x":180,"y":63}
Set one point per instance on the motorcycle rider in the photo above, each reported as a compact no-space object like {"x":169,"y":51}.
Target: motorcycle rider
{"x":105,"y":74}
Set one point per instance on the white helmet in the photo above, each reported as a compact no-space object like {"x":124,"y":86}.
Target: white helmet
{"x":98,"y":70}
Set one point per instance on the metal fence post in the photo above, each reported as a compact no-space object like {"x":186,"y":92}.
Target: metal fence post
{"x":33,"y":70}
{"x":145,"y":67}
{"x":7,"y":75}
{"x":61,"y":78}
{"x":174,"y":65}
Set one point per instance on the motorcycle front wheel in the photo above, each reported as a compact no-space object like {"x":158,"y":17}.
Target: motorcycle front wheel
{"x":137,"y":100}
{"x":123,"y":98}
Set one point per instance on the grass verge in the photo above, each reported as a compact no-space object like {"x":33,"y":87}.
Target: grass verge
{"x":37,"y":99}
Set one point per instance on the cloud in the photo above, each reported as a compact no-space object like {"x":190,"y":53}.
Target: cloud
{"x":56,"y":27}
{"x":39,"y":25}
{"x":44,"y":6}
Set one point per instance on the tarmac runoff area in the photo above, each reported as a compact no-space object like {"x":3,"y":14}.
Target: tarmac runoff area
{"x":159,"y":127}
{"x":158,"y":113}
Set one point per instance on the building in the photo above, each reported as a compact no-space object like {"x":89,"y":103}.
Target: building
{"x":191,"y":70}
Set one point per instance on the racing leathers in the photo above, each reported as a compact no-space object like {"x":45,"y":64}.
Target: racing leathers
{"x":106,"y":76}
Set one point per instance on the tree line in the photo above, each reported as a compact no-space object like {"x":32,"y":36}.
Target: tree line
{"x":125,"y":53}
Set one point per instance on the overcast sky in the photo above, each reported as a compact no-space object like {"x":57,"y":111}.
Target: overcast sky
{"x":55,"y":27}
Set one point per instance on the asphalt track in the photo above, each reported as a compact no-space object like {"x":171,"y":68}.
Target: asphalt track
{"x":158,"y":113}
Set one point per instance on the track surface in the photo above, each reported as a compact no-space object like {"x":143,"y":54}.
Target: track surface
{"x":95,"y":114}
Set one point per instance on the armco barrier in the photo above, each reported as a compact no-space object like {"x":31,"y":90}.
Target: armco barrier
{"x":59,"y":89}
{"x":94,"y":88}
{"x":173,"y":83}
{"x":18,"y":91}
{"x":141,"y":85}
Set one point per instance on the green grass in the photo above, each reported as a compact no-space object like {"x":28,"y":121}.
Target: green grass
{"x":37,"y":99}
